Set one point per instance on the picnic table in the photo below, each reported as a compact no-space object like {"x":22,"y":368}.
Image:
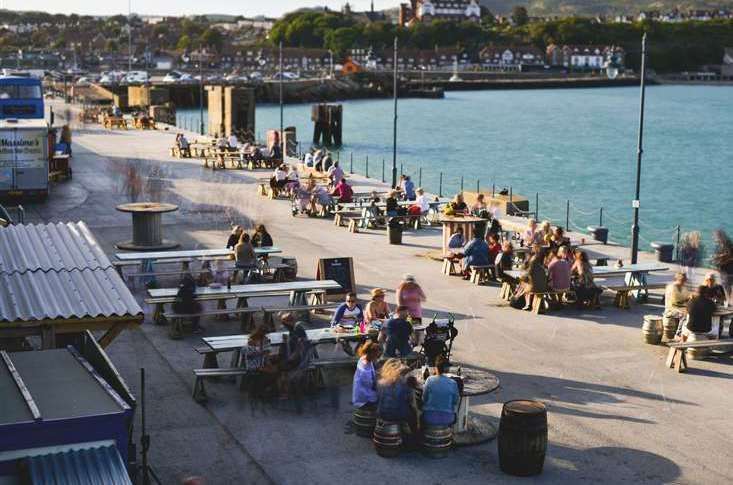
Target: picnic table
{"x":452,"y":223}
{"x":470,"y":428}
{"x":315,"y":336}
{"x":191,"y":253}
{"x":635,"y":275}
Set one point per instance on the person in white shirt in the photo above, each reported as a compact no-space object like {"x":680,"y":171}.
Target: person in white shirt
{"x":335,"y":173}
{"x":221,"y":143}
{"x":308,"y":160}
{"x":423,"y":201}
{"x":233,"y":142}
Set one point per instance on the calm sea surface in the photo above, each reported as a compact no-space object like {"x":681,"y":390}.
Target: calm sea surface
{"x":575,"y":144}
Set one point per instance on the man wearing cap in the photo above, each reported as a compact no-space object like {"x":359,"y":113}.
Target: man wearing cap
{"x":395,"y":334}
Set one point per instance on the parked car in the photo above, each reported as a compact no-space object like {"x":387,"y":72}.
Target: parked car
{"x":172,"y":77}
{"x":286,"y":75}
{"x":136,"y":77}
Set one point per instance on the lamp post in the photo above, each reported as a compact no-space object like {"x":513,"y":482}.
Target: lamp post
{"x":201,"y":91}
{"x":129,"y":35}
{"x":394,"y":128}
{"x":282,"y":138}
{"x":639,"y":151}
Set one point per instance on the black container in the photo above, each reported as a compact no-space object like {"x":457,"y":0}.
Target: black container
{"x":394,"y":231}
{"x":522,"y":438}
{"x":665,"y":252}
{"x":599,"y":233}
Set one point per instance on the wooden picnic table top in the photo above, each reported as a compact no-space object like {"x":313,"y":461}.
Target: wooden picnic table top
{"x":315,"y":336}
{"x":193,"y":253}
{"x":251,"y":290}
{"x":606,"y":271}
{"x":476,"y":382}
{"x":460,"y":219}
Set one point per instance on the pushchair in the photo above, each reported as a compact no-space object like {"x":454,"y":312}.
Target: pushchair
{"x":300,"y":201}
{"x":439,"y":336}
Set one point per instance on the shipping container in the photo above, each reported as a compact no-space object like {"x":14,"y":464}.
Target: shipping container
{"x":23,"y":158}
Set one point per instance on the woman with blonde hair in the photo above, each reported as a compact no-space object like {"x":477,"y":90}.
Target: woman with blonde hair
{"x":690,"y":252}
{"x":364,"y":390}
{"x":395,"y":396}
{"x":545,"y":237}
{"x":411,"y":295}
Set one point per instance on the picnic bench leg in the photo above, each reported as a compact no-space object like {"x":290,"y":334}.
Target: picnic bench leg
{"x":246,"y":319}
{"x":670,"y":357}
{"x":222,"y":305}
{"x":199,"y":392}
{"x":158,"y":317}
{"x":176,"y":328}
{"x":681,"y":362}
{"x":211,"y":361}
{"x":236,"y":355}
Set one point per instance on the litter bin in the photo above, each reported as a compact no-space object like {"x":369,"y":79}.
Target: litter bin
{"x":664,"y":251}
{"x":394,"y":231}
{"x":599,"y":233}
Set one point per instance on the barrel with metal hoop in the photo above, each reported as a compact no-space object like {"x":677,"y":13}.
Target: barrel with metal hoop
{"x":651,"y":330}
{"x":364,"y":420}
{"x":388,"y":438}
{"x":522,"y":437}
{"x":437,"y":440}
{"x":670,"y":323}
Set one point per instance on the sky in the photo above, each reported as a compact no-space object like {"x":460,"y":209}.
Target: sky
{"x":271,"y":8}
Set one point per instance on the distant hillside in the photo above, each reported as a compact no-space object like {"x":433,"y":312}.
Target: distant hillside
{"x":595,"y":7}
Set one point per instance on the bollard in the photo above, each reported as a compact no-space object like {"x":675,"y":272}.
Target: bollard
{"x":419,"y":177}
{"x":440,"y":185}
{"x":383,"y":170}
{"x":351,"y":163}
{"x":567,"y":216}
{"x":367,"y":166}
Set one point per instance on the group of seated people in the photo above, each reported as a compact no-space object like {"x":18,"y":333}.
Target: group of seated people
{"x":284,"y":179}
{"x":244,"y":245}
{"x":312,"y":198}
{"x":318,"y":159}
{"x":184,"y":147}
{"x":389,"y":392}
{"x":694,"y":310}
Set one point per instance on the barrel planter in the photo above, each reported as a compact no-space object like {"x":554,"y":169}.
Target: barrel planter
{"x":697,"y":354}
{"x":669,"y":327}
{"x":437,"y":441}
{"x":364,"y":420}
{"x":522,"y":438}
{"x":651,"y":330}
{"x":387,"y":438}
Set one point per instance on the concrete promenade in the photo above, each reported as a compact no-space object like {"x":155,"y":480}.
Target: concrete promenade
{"x":616,"y":414}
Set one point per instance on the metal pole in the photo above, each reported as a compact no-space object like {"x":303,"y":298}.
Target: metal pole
{"x":382,"y":170}
{"x":145,"y":439}
{"x":493,"y":190}
{"x":639,"y":152}
{"x":478,"y":184}
{"x":201,"y":93}
{"x":537,"y":205}
{"x":282,"y":138}
{"x":367,"y":166}
{"x":677,"y":257}
{"x":600,"y":219}
{"x":129,"y":35}
{"x":394,"y":128}
{"x":419,"y":177}
{"x":440,"y":185}
{"x":461,"y":183}
{"x":567,"y":215}
{"x":351,"y":163}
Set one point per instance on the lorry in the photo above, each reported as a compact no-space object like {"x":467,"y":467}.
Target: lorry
{"x":24,"y":156}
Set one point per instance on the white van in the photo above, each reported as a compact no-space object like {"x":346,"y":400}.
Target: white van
{"x":136,"y":77}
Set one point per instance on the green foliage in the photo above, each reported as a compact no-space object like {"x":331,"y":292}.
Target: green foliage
{"x":212,"y":38}
{"x":519,"y":15}
{"x":184,"y":43}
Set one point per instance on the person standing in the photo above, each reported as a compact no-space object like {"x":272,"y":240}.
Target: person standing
{"x":411,"y":295}
{"x":723,"y":262}
{"x":690,"y":252}
{"x":395,"y":334}
{"x":408,"y":187}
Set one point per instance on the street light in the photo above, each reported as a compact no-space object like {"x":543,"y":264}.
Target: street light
{"x":201,"y":92}
{"x":282,"y":138}
{"x":639,"y":151}
{"x":394,"y":129}
{"x":129,"y":35}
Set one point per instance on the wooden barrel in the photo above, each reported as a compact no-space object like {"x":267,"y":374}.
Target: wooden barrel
{"x":364,"y":420}
{"x":437,"y":441}
{"x":651,"y":330}
{"x":697,"y":354}
{"x":669,"y":326}
{"x":522,"y":438}
{"x":387,"y":438}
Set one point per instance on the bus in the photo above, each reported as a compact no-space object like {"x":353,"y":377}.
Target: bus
{"x":21,"y":98}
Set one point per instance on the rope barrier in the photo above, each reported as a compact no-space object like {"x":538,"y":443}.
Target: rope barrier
{"x":581,"y":212}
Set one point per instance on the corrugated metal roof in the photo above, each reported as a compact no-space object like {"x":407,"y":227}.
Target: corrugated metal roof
{"x":92,"y":466}
{"x":84,"y":293}
{"x":46,"y":247}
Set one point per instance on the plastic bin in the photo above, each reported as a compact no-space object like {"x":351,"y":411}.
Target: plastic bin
{"x":665,"y":251}
{"x":394,"y":231}
{"x":599,"y":233}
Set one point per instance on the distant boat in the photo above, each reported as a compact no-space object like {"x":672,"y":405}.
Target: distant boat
{"x":455,"y":77}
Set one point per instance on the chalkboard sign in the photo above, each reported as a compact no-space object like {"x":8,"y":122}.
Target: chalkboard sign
{"x":340,"y":270}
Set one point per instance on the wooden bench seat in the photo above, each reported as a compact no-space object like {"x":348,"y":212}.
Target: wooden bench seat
{"x":622,"y":298}
{"x":451,"y":267}
{"x":677,"y":358}
{"x":199,"y":391}
{"x":481,"y":274}
{"x":540,"y":298}
{"x":177,"y":319}
{"x":269,"y":311}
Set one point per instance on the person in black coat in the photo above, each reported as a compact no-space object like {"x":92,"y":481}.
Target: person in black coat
{"x":261,"y":238}
{"x":700,"y":311}
{"x":234,"y":236}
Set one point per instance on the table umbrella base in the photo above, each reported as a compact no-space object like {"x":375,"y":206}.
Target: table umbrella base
{"x":479,"y":429}
{"x":131,"y":246}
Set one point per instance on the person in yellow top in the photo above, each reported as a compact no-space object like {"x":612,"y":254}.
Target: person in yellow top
{"x":676,"y":296}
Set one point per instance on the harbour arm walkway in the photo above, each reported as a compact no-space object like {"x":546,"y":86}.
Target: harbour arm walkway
{"x":616,"y":413}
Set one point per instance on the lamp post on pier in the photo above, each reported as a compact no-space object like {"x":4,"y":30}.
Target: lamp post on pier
{"x":639,"y":151}
{"x":394,"y":128}
{"x":282,"y":137}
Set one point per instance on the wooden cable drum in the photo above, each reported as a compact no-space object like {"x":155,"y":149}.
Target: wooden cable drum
{"x":669,"y":326}
{"x":522,"y":437}
{"x":651,"y":330}
{"x":437,"y":441}
{"x":364,"y":420}
{"x":387,"y":438}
